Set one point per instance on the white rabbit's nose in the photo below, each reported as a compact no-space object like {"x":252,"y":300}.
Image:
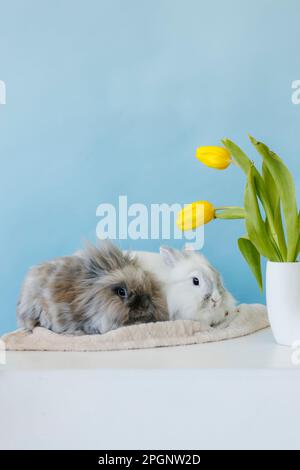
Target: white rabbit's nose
{"x":214,"y":301}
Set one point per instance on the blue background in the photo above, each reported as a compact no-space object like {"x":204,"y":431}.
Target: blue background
{"x":109,"y":97}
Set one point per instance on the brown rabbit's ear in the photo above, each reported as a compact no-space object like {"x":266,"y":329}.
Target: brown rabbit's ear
{"x":104,"y":259}
{"x":170,"y":256}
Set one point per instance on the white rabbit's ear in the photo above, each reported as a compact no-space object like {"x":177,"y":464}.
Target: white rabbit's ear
{"x":190,"y":251}
{"x":188,"y":247}
{"x":170,"y":256}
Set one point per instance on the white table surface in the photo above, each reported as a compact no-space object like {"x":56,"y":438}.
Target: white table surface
{"x":237,"y":394}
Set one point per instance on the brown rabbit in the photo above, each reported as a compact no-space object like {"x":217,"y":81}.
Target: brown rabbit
{"x":94,"y":292}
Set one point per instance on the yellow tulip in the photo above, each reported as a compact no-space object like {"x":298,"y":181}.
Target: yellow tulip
{"x":195,"y":214}
{"x":214,"y":157}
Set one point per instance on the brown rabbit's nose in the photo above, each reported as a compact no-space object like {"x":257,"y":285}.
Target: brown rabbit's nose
{"x":145,"y":301}
{"x":139,"y":301}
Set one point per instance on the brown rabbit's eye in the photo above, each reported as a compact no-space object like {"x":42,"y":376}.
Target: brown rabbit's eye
{"x":121,"y":292}
{"x":195,"y":281}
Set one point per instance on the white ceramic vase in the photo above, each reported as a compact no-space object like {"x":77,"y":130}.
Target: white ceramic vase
{"x":283,"y":301}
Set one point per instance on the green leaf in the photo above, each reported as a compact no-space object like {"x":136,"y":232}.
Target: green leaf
{"x":275,"y":231}
{"x":274,"y":199}
{"x":270,"y":185}
{"x":252,"y":257}
{"x":238,"y":155}
{"x":298,"y":249}
{"x":280,"y":232}
{"x":256,"y":228}
{"x":263,"y":195}
{"x":285,"y":186}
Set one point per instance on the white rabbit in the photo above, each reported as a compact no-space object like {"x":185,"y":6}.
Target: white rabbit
{"x":193,"y":288}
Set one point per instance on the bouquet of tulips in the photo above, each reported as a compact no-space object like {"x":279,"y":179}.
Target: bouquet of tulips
{"x":272,"y":220}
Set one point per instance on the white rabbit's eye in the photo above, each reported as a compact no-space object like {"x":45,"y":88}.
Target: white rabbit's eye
{"x":195,"y":281}
{"x":121,"y":292}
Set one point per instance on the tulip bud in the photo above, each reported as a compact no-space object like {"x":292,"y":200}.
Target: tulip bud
{"x":214,"y":157}
{"x":194,"y":215}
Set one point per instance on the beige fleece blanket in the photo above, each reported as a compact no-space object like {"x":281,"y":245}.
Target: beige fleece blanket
{"x":250,"y":318}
